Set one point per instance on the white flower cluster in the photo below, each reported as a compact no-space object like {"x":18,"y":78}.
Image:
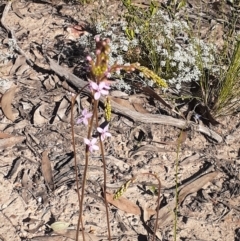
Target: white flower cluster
{"x":180,"y":58}
{"x":178,"y":52}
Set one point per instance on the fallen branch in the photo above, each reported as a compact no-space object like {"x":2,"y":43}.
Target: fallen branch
{"x":134,"y":115}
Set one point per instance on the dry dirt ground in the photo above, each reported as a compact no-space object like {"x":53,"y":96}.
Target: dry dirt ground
{"x":208,"y":171}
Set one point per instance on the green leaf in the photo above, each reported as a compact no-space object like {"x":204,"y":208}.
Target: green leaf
{"x":59,"y":226}
{"x":181,"y":4}
{"x":130,"y":33}
{"x":127,"y":3}
{"x":152,"y":9}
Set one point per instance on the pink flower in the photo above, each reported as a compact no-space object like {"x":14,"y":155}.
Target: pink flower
{"x":104,"y":132}
{"x":84,"y":117}
{"x":97,"y":38}
{"x":89,"y":58}
{"x":91,"y":144}
{"x":101,"y":89}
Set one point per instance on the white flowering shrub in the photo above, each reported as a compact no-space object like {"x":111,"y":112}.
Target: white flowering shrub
{"x":159,"y":42}
{"x":171,"y":51}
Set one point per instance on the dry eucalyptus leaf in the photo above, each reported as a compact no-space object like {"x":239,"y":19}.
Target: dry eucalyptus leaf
{"x":5,"y":135}
{"x":182,"y":137}
{"x":21,"y":60}
{"x":166,"y":214}
{"x":139,"y":108}
{"x":145,"y":148}
{"x":153,"y":94}
{"x":6,"y":103}
{"x":138,"y":103}
{"x":11,"y":141}
{"x":47,"y":170}
{"x":123,"y":102}
{"x":27,"y":185}
{"x":123,"y":204}
{"x":118,"y":94}
{"x":76,"y":31}
{"x":196,"y":185}
{"x":61,"y":111}
{"x":38,"y":118}
{"x":147,"y":213}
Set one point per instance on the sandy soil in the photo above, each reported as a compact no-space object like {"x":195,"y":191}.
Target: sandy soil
{"x":208,"y":171}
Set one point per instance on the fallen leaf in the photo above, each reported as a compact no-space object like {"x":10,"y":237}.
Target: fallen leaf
{"x":153,"y":94}
{"x":19,"y":62}
{"x":38,"y":118}
{"x":146,"y":214}
{"x":15,"y":9}
{"x":123,"y":102}
{"x":5,"y":135}
{"x":139,"y":108}
{"x":182,"y":137}
{"x":166,"y":214}
{"x":26,"y":186}
{"x":196,"y":185}
{"x":76,"y":31}
{"x":14,"y":168}
{"x":47,"y":170}
{"x":6,"y":103}
{"x":11,"y":141}
{"x":123,"y":204}
{"x":145,"y":148}
{"x":61,"y":107}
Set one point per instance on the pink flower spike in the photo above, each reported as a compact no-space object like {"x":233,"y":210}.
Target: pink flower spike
{"x":103,"y":85}
{"x":97,"y":38}
{"x":84,"y":117}
{"x":104,"y":132}
{"x":91,"y":144}
{"x":101,"y":89}
{"x":107,"y":74}
{"x":89,"y":58}
{"x":97,"y":95}
{"x":93,"y":85}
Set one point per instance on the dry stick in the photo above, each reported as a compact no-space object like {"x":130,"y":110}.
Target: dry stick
{"x":5,"y":12}
{"x":134,"y":115}
{"x":15,"y":45}
{"x":75,"y":161}
{"x":104,"y":182}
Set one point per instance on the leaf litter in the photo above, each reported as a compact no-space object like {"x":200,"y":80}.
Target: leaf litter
{"x":6,"y":102}
{"x":42,"y":118}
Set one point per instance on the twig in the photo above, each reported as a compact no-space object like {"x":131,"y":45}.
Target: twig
{"x":134,"y":115}
{"x":5,"y":12}
{"x":10,"y":31}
